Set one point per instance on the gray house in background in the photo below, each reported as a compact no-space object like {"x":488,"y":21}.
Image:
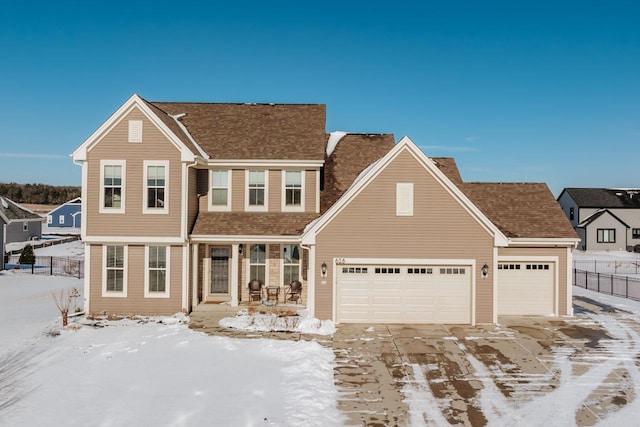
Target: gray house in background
{"x":604,"y":218}
{"x":18,"y":224}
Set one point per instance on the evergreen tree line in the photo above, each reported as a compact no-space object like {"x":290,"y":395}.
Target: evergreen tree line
{"x":40,"y":194}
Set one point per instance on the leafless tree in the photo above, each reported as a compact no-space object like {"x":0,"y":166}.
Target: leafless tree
{"x":64,"y":298}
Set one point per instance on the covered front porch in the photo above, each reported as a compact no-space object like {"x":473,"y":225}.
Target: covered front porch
{"x":222,"y":271}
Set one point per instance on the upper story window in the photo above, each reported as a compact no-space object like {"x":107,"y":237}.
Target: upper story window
{"x":293,"y":191}
{"x":257,"y":193}
{"x":114,"y":273}
{"x":635,"y":233}
{"x":220,"y":195}
{"x":606,"y":235}
{"x":112,"y":182}
{"x":156,"y":183}
{"x":135,"y":130}
{"x":571,"y":213}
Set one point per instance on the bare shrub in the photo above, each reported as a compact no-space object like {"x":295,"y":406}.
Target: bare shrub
{"x":64,"y":299}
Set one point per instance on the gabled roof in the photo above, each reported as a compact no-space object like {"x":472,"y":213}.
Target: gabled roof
{"x":75,"y":202}
{"x":597,"y":214}
{"x":353,"y":153}
{"x":252,"y":131}
{"x":10,"y":211}
{"x":604,"y":197}
{"x":370,"y":173}
{"x":251,"y":224}
{"x":521,"y":210}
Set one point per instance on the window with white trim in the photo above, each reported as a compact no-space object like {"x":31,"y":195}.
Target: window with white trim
{"x":112,"y":183}
{"x":293,"y":190}
{"x":49,"y":219}
{"x":220,"y":196}
{"x":135,"y":130}
{"x":606,"y":235}
{"x":290,"y":263}
{"x":156,"y":190}
{"x":157,"y":272}
{"x":61,"y":219}
{"x":404,"y":199}
{"x":25,"y":226}
{"x":257,"y":181}
{"x":114,"y":275}
{"x":258,"y":262}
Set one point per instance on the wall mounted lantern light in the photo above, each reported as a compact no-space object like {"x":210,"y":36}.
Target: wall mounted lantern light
{"x":240,"y":249}
{"x":323,"y":269}
{"x":485,"y":271}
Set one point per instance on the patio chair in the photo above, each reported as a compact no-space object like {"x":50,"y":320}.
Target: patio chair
{"x":255,"y":290}
{"x":293,"y":292}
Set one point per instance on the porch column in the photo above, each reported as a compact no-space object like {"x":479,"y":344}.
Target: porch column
{"x":311,"y":282}
{"x":194,"y":275}
{"x":235,"y":255}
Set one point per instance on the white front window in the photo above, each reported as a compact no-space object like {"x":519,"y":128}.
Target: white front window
{"x":258,"y":263}
{"x":157,"y":272}
{"x":257,"y":193}
{"x":156,"y":191}
{"x":114,"y":272}
{"x":293,"y":190}
{"x":112,"y":186}
{"x":220,"y":194}
{"x":290,"y":263}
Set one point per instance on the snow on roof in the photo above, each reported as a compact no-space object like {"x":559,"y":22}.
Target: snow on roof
{"x":334,"y":138}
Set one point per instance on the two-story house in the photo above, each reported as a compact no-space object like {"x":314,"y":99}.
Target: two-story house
{"x":604,"y":218}
{"x":17,"y":224}
{"x":186,"y":203}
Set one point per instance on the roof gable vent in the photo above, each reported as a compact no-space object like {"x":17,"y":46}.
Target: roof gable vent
{"x":135,"y":130}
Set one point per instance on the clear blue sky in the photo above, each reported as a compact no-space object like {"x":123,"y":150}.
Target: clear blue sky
{"x":515,"y":91}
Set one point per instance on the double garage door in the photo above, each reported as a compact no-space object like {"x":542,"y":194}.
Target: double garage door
{"x":404,"y":294}
{"x":526,"y":288}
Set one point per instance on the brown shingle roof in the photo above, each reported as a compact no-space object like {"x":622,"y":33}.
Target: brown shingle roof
{"x":448,"y":166}
{"x":254,"y":131}
{"x":173,"y":126}
{"x":526,"y":210}
{"x":252,"y":224}
{"x":352,"y":155}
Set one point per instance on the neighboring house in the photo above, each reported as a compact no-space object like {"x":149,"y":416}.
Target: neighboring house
{"x":67,"y":215}
{"x":185,"y":203}
{"x":18,"y":223}
{"x":604,"y":218}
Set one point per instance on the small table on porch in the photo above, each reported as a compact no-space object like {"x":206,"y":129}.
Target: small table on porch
{"x":273,"y":293}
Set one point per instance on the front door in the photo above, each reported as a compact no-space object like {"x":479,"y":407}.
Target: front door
{"x":219,"y":270}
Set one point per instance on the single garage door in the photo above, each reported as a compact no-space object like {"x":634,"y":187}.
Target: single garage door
{"x":404,"y":294}
{"x":526,"y":288}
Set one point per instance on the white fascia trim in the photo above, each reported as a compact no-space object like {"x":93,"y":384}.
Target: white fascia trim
{"x":186,"y":132}
{"x":544,"y":242}
{"x":369,"y":175}
{"x":83,"y":206}
{"x":259,"y":164}
{"x":19,"y":220}
{"x":244,"y":239}
{"x":133,"y":240}
{"x":133,"y":102}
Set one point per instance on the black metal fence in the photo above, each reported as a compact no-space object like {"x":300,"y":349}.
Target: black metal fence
{"x":608,"y":267}
{"x":620,"y":286}
{"x":48,"y":265}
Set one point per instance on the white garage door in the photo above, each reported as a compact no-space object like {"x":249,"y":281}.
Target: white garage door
{"x":404,"y":294}
{"x":526,"y":288}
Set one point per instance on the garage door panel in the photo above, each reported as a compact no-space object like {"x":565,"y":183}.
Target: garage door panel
{"x":523,"y":290}
{"x":403,"y":297}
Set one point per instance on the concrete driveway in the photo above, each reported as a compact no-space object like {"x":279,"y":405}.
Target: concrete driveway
{"x":527,"y":371}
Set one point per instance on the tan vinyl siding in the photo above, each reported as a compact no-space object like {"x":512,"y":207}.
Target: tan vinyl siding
{"x":440,"y":228}
{"x":115,"y":146}
{"x":238,"y":190}
{"x":275,"y":190}
{"x":136,"y":303}
{"x":310,"y":190}
{"x":561,"y":253}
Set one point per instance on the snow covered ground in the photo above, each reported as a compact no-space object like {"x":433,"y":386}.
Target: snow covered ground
{"x":157,"y":372}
